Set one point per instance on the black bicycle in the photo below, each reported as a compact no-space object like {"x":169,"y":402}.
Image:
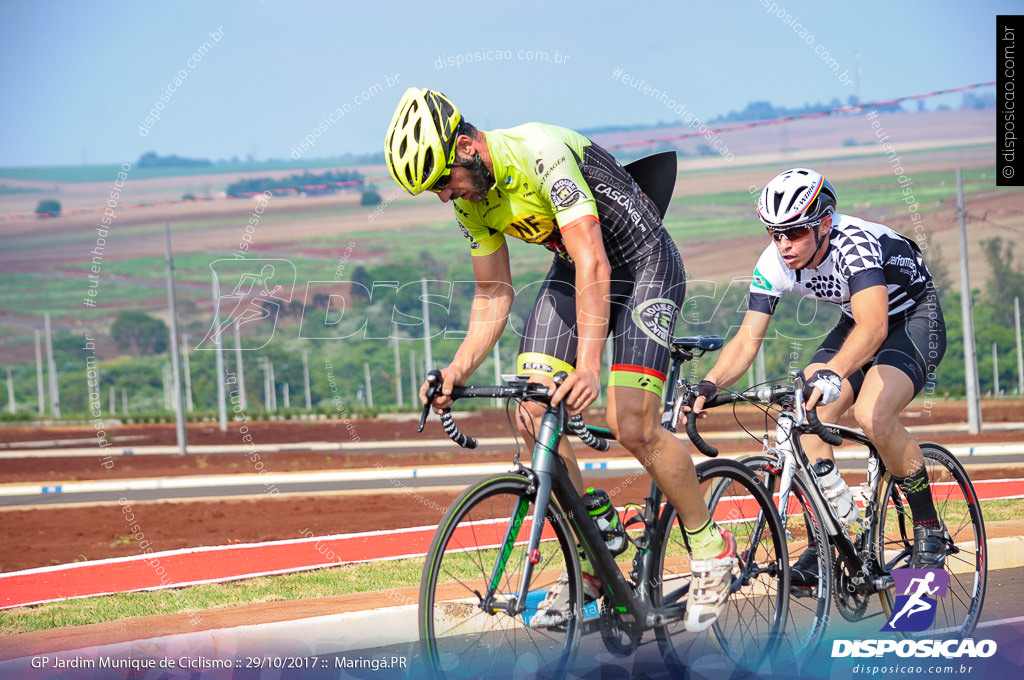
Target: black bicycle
{"x":507,"y":538}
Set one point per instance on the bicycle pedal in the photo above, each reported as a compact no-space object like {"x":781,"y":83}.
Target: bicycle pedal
{"x":803,"y":591}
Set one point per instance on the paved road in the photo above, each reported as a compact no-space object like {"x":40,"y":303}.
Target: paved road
{"x":302,"y":483}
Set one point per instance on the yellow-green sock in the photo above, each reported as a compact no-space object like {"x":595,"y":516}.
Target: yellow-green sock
{"x":706,"y":542}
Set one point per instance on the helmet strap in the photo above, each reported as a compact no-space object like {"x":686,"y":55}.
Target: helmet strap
{"x":819,"y":240}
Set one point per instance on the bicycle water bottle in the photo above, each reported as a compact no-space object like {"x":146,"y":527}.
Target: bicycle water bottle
{"x":601,"y":510}
{"x":836,"y":491}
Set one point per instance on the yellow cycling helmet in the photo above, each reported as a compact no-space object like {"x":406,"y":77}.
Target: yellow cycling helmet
{"x":420,"y":143}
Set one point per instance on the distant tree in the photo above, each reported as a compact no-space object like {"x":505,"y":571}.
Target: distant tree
{"x":705,"y":150}
{"x":972,"y":100}
{"x":1007,"y":281}
{"x":151,"y":159}
{"x":370,"y":197}
{"x":139,"y":333}
{"x":48,"y":207}
{"x":361,"y":276}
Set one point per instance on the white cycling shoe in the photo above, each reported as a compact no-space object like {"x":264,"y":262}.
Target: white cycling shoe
{"x":553,"y":609}
{"x":709,"y":587}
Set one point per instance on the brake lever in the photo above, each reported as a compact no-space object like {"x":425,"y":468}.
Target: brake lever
{"x":434,"y":378}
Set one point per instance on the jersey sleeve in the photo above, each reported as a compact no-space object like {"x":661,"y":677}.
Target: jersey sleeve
{"x":555,"y":173}
{"x":860,"y":260}
{"x":768,"y":283}
{"x":482,"y":239}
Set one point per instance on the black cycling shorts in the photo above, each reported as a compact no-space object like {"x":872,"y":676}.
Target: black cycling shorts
{"x":645,"y":300}
{"x":915,"y":344}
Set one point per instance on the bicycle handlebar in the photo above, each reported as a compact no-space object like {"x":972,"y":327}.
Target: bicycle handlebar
{"x":762,"y":395}
{"x":814,"y":426}
{"x":516,"y":390}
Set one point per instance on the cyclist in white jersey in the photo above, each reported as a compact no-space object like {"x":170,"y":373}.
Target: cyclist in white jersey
{"x":889,"y":340}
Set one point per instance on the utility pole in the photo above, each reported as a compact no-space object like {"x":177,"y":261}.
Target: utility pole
{"x":41,"y":389}
{"x":399,"y":397}
{"x":995,"y":370}
{"x":429,"y":356}
{"x":1020,"y":354}
{"x":967,"y":307}
{"x":189,"y":405}
{"x":51,"y":367}
{"x":175,"y":356}
{"x":369,"y":385}
{"x":497,"y":370}
{"x":12,"y":407}
{"x":239,"y":368}
{"x":222,"y":397}
{"x":273,"y":386}
{"x":412,"y":377}
{"x":305,"y":378}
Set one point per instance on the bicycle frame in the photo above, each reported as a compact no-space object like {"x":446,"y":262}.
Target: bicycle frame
{"x":551,"y":478}
{"x":794,"y":462}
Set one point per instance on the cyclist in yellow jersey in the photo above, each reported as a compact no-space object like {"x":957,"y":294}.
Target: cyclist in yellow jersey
{"x":615,"y":272}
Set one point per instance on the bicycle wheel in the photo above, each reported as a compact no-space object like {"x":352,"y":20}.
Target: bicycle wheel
{"x":958,"y":507}
{"x":808,"y":607}
{"x":481,"y":541}
{"x":749,"y":628}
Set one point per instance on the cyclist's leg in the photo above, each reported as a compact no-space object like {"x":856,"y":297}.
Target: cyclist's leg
{"x":642,"y":326}
{"x":642,"y":319}
{"x":907,"y":358}
{"x":886,"y":391}
{"x":548,"y":345}
{"x":634,"y":417}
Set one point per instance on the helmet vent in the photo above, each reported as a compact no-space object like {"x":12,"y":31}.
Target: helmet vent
{"x":428,"y":163}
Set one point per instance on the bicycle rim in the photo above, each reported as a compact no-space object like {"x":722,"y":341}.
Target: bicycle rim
{"x":752,"y":621}
{"x":459,"y":639}
{"x":958,"y":507}
{"x":808,"y":608}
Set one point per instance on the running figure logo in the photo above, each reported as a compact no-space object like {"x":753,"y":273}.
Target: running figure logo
{"x":914,"y":610}
{"x":259,"y":289}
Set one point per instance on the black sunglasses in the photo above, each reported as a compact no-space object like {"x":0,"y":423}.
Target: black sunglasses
{"x":442,"y":182}
{"x":793,"y":233}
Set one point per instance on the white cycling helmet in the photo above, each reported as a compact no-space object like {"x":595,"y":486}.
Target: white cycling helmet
{"x":796,"y":197}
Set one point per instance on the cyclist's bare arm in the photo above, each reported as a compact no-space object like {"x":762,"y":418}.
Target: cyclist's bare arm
{"x":739,"y":353}
{"x":585,"y":246}
{"x":492,"y":301}
{"x":870,"y":308}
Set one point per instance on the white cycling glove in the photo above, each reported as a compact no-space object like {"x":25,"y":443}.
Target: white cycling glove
{"x":829,"y":383}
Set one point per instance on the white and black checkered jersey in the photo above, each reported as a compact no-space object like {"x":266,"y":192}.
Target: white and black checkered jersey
{"x":861,"y":254}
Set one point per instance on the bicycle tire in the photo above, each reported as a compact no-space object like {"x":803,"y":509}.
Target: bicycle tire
{"x":957,"y":505}
{"x":750,"y":627}
{"x":808,"y":611}
{"x":458,"y":638}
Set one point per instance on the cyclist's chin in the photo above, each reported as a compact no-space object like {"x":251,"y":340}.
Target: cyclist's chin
{"x":794,"y":261}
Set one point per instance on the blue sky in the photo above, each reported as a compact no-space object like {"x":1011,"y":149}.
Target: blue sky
{"x":78,"y":78}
